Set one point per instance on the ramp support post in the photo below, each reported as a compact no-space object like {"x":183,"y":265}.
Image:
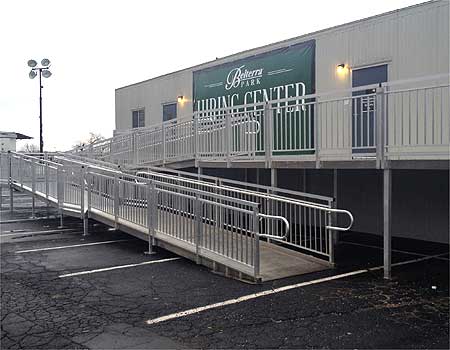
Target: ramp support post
{"x":387,"y":224}
{"x":273,"y":177}
{"x":85,"y":225}
{"x":83,"y":207}
{"x":33,"y":190}
{"x":11,"y":198}
{"x":60,"y":194}
{"x":198,"y":225}
{"x":10,"y":183}
{"x":152,"y":210}
{"x":256,"y":252}
{"x":335,"y":204}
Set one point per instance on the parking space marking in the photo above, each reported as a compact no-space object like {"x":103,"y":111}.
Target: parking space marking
{"x":118,"y":267}
{"x":70,"y":246}
{"x":27,"y":233}
{"x":275,"y":291}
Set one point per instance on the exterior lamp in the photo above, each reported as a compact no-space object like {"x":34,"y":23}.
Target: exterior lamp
{"x":340,"y":68}
{"x":180,"y":99}
{"x":43,"y":72}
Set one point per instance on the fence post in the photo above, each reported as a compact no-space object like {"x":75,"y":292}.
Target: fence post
{"x":198,"y":224}
{"x":84,"y":214}
{"x":60,"y":193}
{"x":330,"y":238}
{"x":316,"y":133}
{"x":163,"y":131}
{"x":152,"y":204}
{"x":20,"y":172}
{"x":46,"y":178}
{"x":268,"y":139}
{"x":256,"y":252}
{"x":134,"y":148}
{"x":10,"y":183}
{"x":116,"y":201}
{"x":90,"y":181}
{"x":196,"y":140}
{"x":380,"y":127}
{"x":228,"y":137}
{"x":33,"y":188}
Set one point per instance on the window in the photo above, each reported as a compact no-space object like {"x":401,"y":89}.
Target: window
{"x":169,"y":111}
{"x":138,"y":118}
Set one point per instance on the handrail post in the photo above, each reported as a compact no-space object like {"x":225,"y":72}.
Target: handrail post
{"x":196,"y":140}
{"x":268,"y":139}
{"x":10,"y":183}
{"x":46,"y":178}
{"x":256,"y":252}
{"x":228,"y":137}
{"x":380,"y":127}
{"x":316,"y":132}
{"x":84,"y":214}
{"x":198,"y":224}
{"x":151,"y":216}
{"x":116,"y":201}
{"x":60,"y":193}
{"x":331,"y":234}
{"x":33,"y":188}
{"x":163,"y":131}
{"x":134,"y":149}
{"x":89,"y":180}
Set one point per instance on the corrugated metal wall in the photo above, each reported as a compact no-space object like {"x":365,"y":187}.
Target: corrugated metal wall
{"x":412,"y":41}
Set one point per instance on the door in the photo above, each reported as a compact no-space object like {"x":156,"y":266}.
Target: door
{"x":364,"y":108}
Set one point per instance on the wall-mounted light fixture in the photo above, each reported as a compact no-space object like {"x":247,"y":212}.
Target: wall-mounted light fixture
{"x":180,"y":99}
{"x":340,"y":68}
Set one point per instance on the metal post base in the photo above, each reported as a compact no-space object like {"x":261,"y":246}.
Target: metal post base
{"x":150,"y":250}
{"x":85,"y":226}
{"x":11,"y":199}
{"x":33,"y":207}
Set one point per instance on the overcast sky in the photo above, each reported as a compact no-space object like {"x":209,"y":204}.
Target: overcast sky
{"x":98,"y":46}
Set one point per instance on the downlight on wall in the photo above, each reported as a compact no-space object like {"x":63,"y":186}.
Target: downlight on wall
{"x":342,"y":69}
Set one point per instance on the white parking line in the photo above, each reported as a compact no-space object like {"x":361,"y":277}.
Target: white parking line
{"x":70,"y":246}
{"x":39,"y":232}
{"x":274,"y":291}
{"x":117,"y":267}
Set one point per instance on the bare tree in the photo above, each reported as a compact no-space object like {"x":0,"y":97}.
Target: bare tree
{"x":29,"y":148}
{"x":93,"y":138}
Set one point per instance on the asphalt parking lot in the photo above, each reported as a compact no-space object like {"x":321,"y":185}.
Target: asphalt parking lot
{"x":102,"y":292}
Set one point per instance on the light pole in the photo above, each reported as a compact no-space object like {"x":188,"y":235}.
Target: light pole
{"x":43,"y":72}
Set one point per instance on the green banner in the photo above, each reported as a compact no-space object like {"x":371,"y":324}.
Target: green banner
{"x":282,"y":73}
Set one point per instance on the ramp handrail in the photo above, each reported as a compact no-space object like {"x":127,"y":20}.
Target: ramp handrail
{"x":394,"y":120}
{"x":276,"y":217}
{"x":73,"y":183}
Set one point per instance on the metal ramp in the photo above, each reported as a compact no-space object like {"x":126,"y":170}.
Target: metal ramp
{"x":238,"y":231}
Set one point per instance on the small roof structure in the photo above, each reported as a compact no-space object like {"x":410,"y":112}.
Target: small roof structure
{"x":14,"y":135}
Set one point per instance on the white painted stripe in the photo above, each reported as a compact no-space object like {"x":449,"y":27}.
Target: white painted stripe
{"x":117,"y":267}
{"x":40,"y":232}
{"x":274,"y":291}
{"x":70,"y":246}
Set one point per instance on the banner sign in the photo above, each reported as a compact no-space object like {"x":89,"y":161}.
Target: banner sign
{"x":282,"y":73}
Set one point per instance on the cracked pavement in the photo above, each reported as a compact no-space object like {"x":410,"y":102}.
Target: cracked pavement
{"x":108,"y":310}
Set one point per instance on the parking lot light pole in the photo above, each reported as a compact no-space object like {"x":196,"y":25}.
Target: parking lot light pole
{"x":43,"y":72}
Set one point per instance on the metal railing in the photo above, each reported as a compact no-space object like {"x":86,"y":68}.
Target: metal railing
{"x":305,"y":213}
{"x":209,"y":220}
{"x":395,"y":120}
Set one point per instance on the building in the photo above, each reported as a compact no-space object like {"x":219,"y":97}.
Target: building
{"x":8,"y":140}
{"x":362,"y":114}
